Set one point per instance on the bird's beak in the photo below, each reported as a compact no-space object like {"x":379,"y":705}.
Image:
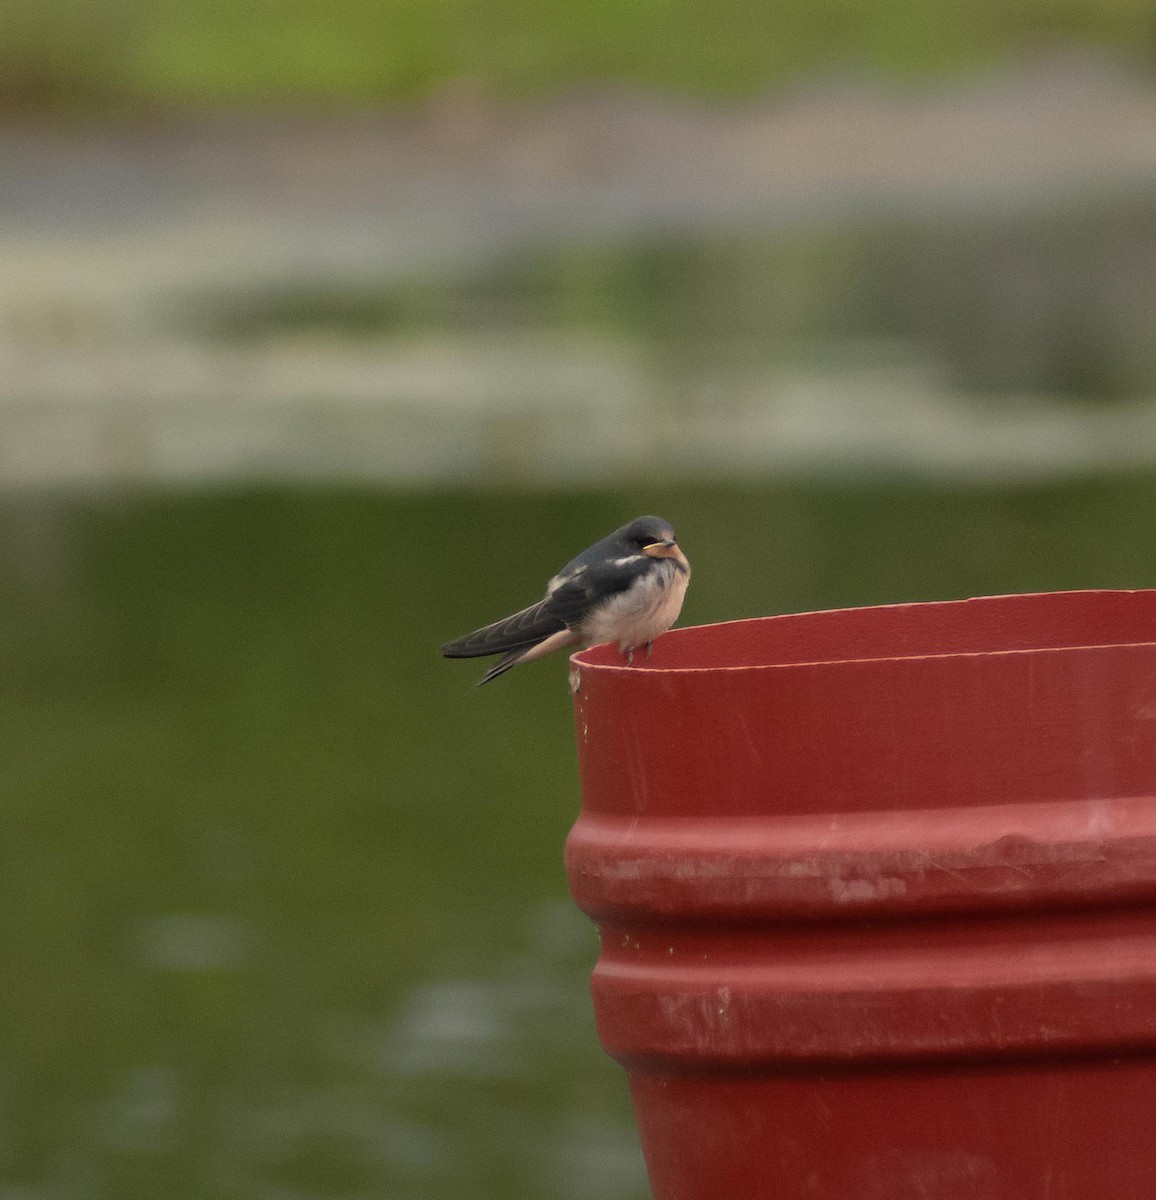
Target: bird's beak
{"x":667,"y":548}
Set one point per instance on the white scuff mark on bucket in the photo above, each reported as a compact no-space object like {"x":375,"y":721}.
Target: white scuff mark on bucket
{"x":858,"y":891}
{"x":679,"y":1011}
{"x":723,"y":1007}
{"x":800,"y":870}
{"x":926,"y":1173}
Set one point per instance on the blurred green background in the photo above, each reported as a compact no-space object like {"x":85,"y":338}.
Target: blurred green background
{"x":329,"y":333}
{"x":113,"y":51}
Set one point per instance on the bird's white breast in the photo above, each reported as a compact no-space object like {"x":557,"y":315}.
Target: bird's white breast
{"x":647,"y":609}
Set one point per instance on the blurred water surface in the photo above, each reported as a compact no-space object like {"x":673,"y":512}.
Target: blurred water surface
{"x":282,"y":897}
{"x":1007,"y":347}
{"x":596,"y":287}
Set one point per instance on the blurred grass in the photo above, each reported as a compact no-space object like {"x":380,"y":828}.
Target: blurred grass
{"x":77,"y":52}
{"x":231,"y":706}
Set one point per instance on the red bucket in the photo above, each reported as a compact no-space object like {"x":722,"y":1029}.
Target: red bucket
{"x":875,"y":890}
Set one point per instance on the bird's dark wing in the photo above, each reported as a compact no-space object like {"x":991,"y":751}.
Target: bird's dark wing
{"x":564,"y":608}
{"x":602,"y":552}
{"x":574,"y":597}
{"x":516,"y":632}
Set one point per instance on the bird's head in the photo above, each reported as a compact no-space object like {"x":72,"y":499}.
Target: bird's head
{"x":649,"y":535}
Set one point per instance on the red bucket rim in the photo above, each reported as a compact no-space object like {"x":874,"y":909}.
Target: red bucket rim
{"x":1002,"y":624}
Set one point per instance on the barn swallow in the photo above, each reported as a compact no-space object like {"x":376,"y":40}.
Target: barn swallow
{"x":627,"y":588}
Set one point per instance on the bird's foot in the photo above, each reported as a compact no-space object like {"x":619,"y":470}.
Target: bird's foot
{"x":649,"y":648}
